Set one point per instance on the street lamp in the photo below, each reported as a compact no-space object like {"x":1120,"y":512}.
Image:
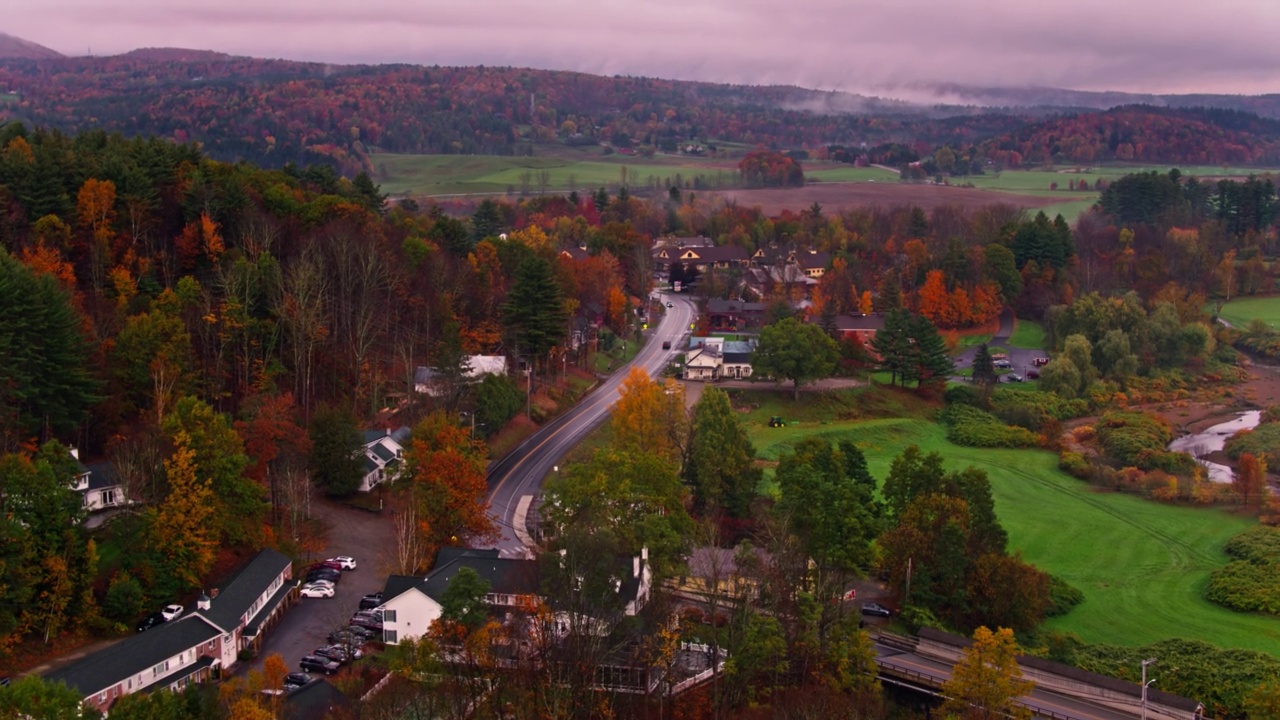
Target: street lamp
{"x":1145,"y":683}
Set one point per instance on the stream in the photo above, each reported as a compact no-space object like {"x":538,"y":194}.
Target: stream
{"x":1214,"y":438}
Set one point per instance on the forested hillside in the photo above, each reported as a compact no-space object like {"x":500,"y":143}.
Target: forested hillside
{"x":273,"y":112}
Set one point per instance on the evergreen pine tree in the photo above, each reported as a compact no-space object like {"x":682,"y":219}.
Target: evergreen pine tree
{"x":535,"y":313}
{"x":984,"y":370}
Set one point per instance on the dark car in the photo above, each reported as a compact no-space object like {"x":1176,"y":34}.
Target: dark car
{"x":670,"y":304}
{"x":315,"y":663}
{"x":324,"y":574}
{"x":341,"y":652}
{"x":327,"y":565}
{"x":296,"y":680}
{"x":334,"y":653}
{"x":348,"y":640}
{"x":369,"y":622}
{"x":150,"y":621}
{"x":1033,"y":374}
{"x":876,"y":609}
{"x":371,"y":601}
{"x":363,"y":632}
{"x":666,"y":344}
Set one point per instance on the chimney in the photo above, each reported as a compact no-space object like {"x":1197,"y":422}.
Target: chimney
{"x":203,"y":602}
{"x":635,"y":566}
{"x":74,"y":453}
{"x":644,"y":553}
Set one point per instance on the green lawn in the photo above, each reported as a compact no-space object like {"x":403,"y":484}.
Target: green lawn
{"x":1028,"y":335}
{"x":564,"y":169}
{"x":1242,"y":311}
{"x":1142,"y":566}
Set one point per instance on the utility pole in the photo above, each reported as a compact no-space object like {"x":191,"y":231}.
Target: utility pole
{"x":1145,"y":683}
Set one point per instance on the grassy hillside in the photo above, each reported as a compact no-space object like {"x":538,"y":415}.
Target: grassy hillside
{"x":1142,"y":566}
{"x":1243,"y":311}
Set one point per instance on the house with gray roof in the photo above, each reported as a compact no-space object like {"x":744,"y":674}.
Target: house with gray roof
{"x":167,"y":657}
{"x":714,"y":358}
{"x":195,"y":647}
{"x":411,"y":604}
{"x":383,"y":451}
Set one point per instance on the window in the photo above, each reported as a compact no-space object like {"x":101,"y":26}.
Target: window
{"x":388,"y":616}
{"x":160,"y":669}
{"x":108,"y":497}
{"x":389,"y":637}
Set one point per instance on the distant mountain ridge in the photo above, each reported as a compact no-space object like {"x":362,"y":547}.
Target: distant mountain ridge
{"x":275,"y":112}
{"x":1050,"y":97}
{"x":16,"y":47}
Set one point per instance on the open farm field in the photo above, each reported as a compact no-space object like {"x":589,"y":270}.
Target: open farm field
{"x":839,"y":196}
{"x":1242,"y":311}
{"x":1142,"y":566}
{"x":566,"y":169}
{"x":849,"y":173}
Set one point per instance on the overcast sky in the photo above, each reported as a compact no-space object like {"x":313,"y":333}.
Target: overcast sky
{"x":1225,"y":46}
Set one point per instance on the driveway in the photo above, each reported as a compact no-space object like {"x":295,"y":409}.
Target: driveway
{"x":365,"y":536}
{"x":1020,"y":358}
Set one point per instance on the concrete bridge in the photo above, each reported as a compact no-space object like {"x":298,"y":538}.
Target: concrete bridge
{"x":1062,"y":692}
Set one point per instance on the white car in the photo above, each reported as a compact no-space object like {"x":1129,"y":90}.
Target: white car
{"x":317,"y":591}
{"x":346,"y":561}
{"x":171,"y":612}
{"x":321,"y":583}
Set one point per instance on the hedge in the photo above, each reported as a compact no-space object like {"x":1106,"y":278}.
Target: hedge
{"x":1141,"y":440}
{"x":1251,"y":582}
{"x":970,"y":426}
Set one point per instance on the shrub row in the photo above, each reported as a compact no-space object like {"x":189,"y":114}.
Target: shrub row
{"x":1141,"y":440}
{"x":1263,"y":441}
{"x":1045,"y":403}
{"x":970,"y":426}
{"x":1251,"y":582}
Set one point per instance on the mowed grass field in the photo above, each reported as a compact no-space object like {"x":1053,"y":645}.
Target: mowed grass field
{"x":488,"y":174}
{"x":1142,"y":566}
{"x":1243,"y":311}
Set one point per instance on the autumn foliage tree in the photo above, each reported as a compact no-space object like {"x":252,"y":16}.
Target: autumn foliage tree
{"x":986,"y":682}
{"x":769,"y":168}
{"x":445,"y":472}
{"x":183,"y":535}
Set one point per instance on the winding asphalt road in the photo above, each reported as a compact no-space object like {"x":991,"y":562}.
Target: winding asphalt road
{"x":516,"y":481}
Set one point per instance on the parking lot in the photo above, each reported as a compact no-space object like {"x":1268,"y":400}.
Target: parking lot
{"x":365,"y":536}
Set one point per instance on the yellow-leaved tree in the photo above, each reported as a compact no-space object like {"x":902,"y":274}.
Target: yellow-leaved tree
{"x":987,"y":682}
{"x":650,"y":417}
{"x":181,"y":528}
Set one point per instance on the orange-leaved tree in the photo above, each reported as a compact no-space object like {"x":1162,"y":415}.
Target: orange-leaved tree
{"x":445,"y":467}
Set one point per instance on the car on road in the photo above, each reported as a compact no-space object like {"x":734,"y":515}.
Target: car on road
{"x":666,"y":344}
{"x":873,"y":608}
{"x":150,"y":621}
{"x":315,"y":663}
{"x":1013,"y":377}
{"x":344,"y":562}
{"x":371,"y":601}
{"x":171,"y":612}
{"x":1002,"y":364}
{"x":670,"y":304}
{"x":295,"y":680}
{"x":1033,"y":374}
{"x":317,"y":591}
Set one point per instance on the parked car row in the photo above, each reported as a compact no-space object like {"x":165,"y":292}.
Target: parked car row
{"x":322,"y":577}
